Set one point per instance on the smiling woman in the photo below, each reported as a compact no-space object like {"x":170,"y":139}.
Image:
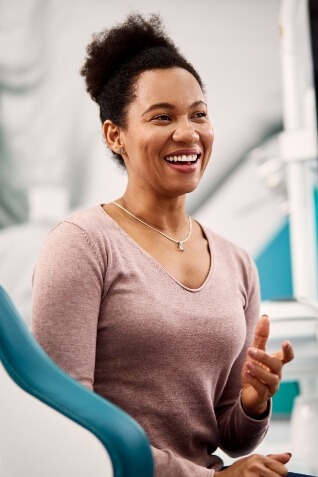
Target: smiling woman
{"x":172,"y":148}
{"x":140,"y":302}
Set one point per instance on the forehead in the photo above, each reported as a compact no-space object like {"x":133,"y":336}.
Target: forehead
{"x":172,"y":85}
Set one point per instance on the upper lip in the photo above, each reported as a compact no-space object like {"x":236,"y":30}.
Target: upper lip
{"x":184,"y":152}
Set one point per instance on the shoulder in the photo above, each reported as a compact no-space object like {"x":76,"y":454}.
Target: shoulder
{"x":91,"y":223}
{"x":89,"y":220}
{"x":82,"y":233}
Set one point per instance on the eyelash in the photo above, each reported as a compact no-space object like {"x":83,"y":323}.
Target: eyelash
{"x":161,"y":116}
{"x":198,"y":115}
{"x":202,"y":114}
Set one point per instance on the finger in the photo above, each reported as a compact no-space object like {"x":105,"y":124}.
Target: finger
{"x":261,"y":388}
{"x":277,"y":467}
{"x":269,"y":379}
{"x":286,"y":354}
{"x":272,"y":362}
{"x":269,"y":466}
{"x":283,"y":458}
{"x":261,"y":332}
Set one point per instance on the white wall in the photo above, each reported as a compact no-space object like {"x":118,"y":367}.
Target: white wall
{"x":49,"y":128}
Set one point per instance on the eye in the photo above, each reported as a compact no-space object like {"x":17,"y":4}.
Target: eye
{"x":200,"y":115}
{"x":161,"y":117}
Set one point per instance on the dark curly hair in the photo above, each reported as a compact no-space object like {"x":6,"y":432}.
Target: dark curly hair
{"x":116,"y":57}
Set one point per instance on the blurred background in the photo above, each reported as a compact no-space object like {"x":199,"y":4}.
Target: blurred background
{"x":53,"y":159}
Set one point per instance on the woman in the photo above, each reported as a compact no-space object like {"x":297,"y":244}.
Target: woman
{"x":138,"y":301}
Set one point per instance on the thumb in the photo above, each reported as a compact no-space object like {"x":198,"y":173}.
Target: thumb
{"x":261,"y":333}
{"x":282,"y":458}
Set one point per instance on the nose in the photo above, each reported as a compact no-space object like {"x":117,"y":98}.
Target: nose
{"x":185,"y":132}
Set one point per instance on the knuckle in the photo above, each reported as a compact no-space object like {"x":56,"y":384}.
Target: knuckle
{"x":275,"y":380}
{"x":255,"y":458}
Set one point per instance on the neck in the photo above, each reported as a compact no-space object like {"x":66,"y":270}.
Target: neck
{"x":163,"y":213}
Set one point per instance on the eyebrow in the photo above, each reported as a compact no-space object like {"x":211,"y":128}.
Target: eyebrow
{"x":171,"y":106}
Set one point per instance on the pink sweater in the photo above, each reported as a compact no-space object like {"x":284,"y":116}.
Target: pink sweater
{"x":112,"y":317}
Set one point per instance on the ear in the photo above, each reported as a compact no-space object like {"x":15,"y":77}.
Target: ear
{"x":112,"y":136}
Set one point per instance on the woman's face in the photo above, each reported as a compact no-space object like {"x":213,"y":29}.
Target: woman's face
{"x":168,"y":139}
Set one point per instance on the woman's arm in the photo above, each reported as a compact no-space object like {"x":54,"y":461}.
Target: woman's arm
{"x":67,"y":291}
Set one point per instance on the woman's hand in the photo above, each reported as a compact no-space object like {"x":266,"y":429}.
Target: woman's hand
{"x":257,"y":465}
{"x":262,"y":372}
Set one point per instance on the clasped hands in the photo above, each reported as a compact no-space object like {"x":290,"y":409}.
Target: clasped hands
{"x":261,"y":376}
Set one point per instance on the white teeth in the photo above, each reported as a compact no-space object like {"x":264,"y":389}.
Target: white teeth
{"x":184,"y":158}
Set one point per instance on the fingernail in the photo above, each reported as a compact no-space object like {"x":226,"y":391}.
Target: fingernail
{"x":265,"y":316}
{"x":252,"y":351}
{"x":289,"y":453}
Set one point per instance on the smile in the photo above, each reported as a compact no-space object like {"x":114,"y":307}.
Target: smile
{"x":192,"y":159}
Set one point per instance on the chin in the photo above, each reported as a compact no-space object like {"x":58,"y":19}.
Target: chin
{"x":191,"y":185}
{"x":184,"y":189}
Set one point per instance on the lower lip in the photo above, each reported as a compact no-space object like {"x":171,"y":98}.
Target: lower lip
{"x":186,"y":169}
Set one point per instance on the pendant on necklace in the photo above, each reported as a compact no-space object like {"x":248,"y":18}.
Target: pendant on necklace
{"x":180,"y":246}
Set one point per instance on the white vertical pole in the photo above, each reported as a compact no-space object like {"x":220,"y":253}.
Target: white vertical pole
{"x":299,"y":149}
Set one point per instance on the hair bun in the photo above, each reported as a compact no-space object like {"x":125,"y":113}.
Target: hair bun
{"x":111,"y":49}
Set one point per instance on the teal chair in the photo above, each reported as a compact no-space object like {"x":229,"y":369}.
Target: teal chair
{"x":51,"y":425}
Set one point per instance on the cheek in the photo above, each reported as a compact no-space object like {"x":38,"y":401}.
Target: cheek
{"x":143,"y":154}
{"x":150,"y":145}
{"x":154,"y":144}
{"x":210,"y":135}
{"x":212,"y":140}
{"x":209,"y":140}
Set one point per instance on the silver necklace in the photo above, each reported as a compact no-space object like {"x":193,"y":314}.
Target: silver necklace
{"x":180,"y":243}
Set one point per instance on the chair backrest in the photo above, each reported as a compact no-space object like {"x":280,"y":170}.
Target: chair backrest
{"x":36,"y":440}
{"x":52,"y":425}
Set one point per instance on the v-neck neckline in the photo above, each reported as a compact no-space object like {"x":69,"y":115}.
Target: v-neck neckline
{"x":158,"y":264}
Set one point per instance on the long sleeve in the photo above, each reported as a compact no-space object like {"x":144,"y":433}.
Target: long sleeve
{"x":67,"y":290}
{"x":168,"y":464}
